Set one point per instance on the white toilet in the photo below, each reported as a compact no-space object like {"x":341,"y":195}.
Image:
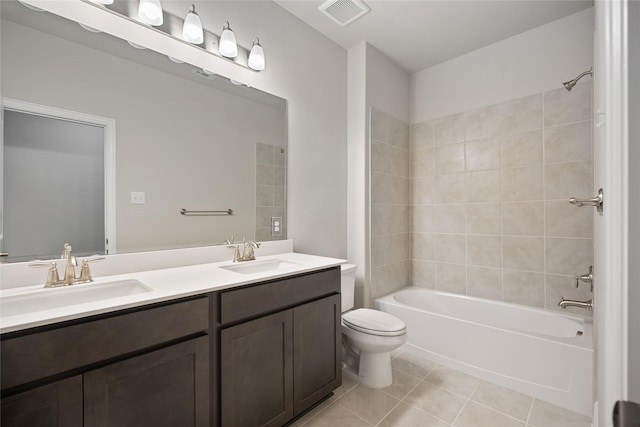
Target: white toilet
{"x":368,"y":337}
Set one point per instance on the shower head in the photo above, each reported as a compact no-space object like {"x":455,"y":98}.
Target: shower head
{"x":571,"y":83}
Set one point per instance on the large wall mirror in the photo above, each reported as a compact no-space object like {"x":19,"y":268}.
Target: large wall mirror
{"x":183,"y":138}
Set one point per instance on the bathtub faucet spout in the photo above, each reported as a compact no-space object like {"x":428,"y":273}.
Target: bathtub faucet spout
{"x":564,"y":303}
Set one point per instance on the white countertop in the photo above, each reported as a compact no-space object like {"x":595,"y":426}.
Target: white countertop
{"x":166,"y":284}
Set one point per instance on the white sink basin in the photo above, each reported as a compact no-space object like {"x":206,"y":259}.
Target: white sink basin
{"x":49,"y":298}
{"x":261,"y":266}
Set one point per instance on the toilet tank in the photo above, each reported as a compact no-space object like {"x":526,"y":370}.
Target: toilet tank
{"x":347,"y":285}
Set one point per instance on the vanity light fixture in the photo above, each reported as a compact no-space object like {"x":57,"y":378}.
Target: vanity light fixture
{"x":103,"y":1}
{"x":150,"y":12}
{"x":192,"y":28}
{"x":256,"y":56}
{"x":228,"y":45}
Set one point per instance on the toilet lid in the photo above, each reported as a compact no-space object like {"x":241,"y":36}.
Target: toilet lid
{"x":374,"y":322}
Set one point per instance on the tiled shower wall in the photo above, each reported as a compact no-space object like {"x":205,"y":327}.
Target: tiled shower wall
{"x":390,"y":226}
{"x":271,"y":194}
{"x":489,"y":200}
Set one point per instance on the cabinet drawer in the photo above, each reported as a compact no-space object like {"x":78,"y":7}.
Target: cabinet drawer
{"x":244,"y":303}
{"x":41,"y":354}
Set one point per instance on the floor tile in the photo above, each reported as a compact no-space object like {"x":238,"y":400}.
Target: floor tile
{"x":436,"y":401}
{"x":313,"y":413}
{"x":503,"y":400}
{"x":402,"y":384}
{"x":476,"y":415}
{"x":337,"y":415}
{"x":413,"y":365}
{"x":347,"y":385}
{"x":369,"y":404}
{"x":453,"y":380}
{"x":405,"y":415}
{"x":545,"y":414}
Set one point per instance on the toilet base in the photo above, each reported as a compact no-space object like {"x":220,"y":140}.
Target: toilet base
{"x":373,"y":370}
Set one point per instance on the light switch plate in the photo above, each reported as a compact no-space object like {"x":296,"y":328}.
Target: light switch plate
{"x":137,"y":198}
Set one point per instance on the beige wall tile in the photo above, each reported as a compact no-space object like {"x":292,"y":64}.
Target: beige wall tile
{"x":520,"y":184}
{"x":523,"y":218}
{"x":399,"y":162}
{"x":484,"y":251}
{"x":263,"y":216}
{"x":449,"y":159}
{"x":423,"y":274}
{"x":264,"y":195}
{"x":380,"y":188}
{"x":561,"y":106}
{"x":522,"y":114}
{"x":280,"y":176}
{"x":523,"y":253}
{"x":264,"y":153}
{"x":449,"y":129}
{"x":523,"y":287}
{"x":279,"y":195}
{"x":451,"y":278}
{"x":264,"y":174}
{"x":482,"y":122}
{"x":423,"y":190}
{"x":421,"y":136}
{"x":566,"y":143}
{"x":450,"y":218}
{"x":483,"y":186}
{"x":379,"y":250}
{"x":564,"y":287}
{"x":450,"y":188}
{"x":423,"y":219}
{"x":569,"y":179}
{"x":399,"y":190}
{"x":422,"y":162}
{"x":568,"y":256}
{"x":484,"y":282}
{"x":451,"y":248}
{"x":482,"y":154}
{"x":521,"y":149}
{"x":379,"y":125}
{"x":380,"y":217}
{"x":565,"y":220}
{"x":424,"y":246}
{"x":379,"y":157}
{"x":396,"y":133}
{"x":484,"y":218}
{"x":399,"y":219}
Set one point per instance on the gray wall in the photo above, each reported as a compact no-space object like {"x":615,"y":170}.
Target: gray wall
{"x":54,"y":193}
{"x":634,"y":201}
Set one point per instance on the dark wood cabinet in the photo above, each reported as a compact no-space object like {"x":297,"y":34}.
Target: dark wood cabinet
{"x":279,"y":354}
{"x":317,"y":361}
{"x":257,"y":372}
{"x":55,"y":405}
{"x":145,"y":366}
{"x":166,"y":387}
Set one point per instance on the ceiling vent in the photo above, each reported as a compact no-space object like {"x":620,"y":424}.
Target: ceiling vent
{"x":344,"y":11}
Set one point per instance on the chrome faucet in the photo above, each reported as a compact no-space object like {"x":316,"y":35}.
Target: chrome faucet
{"x":564,"y":303}
{"x":70,"y":278}
{"x":247,"y":251}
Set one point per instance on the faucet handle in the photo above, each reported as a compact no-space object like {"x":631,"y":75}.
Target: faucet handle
{"x":588,"y":278}
{"x":66,"y":251}
{"x":85,"y":272}
{"x":53,"y":278}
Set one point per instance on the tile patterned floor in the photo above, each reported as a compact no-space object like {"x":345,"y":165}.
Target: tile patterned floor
{"x":424,"y":394}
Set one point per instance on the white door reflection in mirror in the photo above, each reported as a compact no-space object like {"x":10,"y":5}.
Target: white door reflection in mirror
{"x":55,"y":168}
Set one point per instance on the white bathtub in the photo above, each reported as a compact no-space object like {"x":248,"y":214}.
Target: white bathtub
{"x":544,"y":354}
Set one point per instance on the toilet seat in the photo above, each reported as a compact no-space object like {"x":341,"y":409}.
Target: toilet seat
{"x":374,"y":322}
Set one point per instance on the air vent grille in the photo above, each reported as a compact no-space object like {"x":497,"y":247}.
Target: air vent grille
{"x":344,"y":11}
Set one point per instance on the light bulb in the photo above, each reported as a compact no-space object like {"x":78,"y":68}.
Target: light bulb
{"x":256,"y":56}
{"x":150,"y":12}
{"x":192,"y":28}
{"x":228,"y":45}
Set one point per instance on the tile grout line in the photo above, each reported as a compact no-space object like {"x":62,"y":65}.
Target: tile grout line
{"x":530,"y":412}
{"x":465,"y":405}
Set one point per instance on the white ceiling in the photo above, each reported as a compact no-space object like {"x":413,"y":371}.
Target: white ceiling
{"x":421,"y":33}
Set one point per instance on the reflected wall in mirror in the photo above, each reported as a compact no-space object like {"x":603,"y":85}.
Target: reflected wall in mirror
{"x":185,"y":138}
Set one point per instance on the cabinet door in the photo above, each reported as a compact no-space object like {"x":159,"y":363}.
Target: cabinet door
{"x":256,"y":373}
{"x":167,"y":387}
{"x":317,"y":347}
{"x":54,"y":405}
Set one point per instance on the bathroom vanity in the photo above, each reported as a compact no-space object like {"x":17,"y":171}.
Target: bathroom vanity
{"x":255,"y":352}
